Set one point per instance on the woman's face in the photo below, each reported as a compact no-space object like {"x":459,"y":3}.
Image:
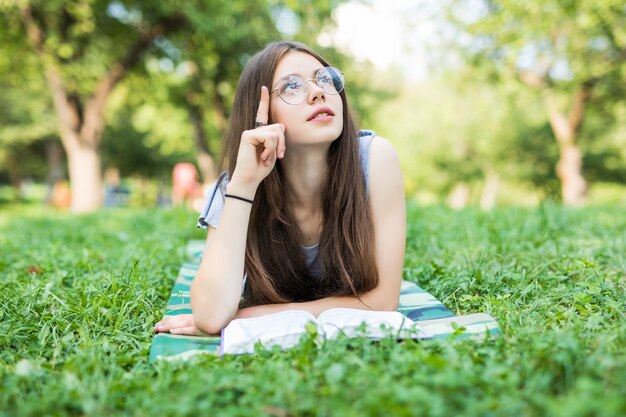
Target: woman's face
{"x":304,"y":124}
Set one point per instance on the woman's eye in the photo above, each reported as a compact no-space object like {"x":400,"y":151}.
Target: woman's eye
{"x":291,"y":85}
{"x":324,"y":79}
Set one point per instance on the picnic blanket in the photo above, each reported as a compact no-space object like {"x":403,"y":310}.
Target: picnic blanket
{"x":415,"y":303}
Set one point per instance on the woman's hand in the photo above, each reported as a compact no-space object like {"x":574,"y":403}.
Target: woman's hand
{"x":181,"y":324}
{"x":259,"y":148}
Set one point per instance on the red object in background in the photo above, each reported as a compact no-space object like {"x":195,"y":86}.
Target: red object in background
{"x":61,"y":195}
{"x":185,"y":182}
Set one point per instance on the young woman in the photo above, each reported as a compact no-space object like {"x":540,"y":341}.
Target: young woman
{"x":310,"y":213}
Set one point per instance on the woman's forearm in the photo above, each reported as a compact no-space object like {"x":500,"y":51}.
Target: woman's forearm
{"x":216,"y":289}
{"x":317,"y":307}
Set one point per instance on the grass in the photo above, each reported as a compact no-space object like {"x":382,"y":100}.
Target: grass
{"x":79,"y":296}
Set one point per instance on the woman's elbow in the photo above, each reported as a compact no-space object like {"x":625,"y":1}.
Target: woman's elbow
{"x":381,"y":304}
{"x":209,"y":327}
{"x":388,"y":306}
{"x":211,"y":324}
{"x":211,"y":316}
{"x":386,"y":303}
{"x":382,"y":298}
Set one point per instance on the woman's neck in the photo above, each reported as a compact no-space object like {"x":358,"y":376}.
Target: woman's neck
{"x":305,"y":169}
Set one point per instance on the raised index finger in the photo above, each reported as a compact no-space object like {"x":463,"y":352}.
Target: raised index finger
{"x":262,"y":114}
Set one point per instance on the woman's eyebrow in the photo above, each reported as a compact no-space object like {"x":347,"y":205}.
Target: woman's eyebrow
{"x":290,"y":75}
{"x":299,"y":75}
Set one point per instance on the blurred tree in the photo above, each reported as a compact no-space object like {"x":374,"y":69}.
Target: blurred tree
{"x":193,"y":76}
{"x":212,"y":65}
{"x":144,"y":140}
{"x":22,"y":135}
{"x":467,"y":140}
{"x":28,"y":131}
{"x":573,"y":52}
{"x":86,"y":47}
{"x":201,"y":69}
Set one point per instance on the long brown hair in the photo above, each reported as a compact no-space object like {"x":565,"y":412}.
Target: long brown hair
{"x":275,"y":261}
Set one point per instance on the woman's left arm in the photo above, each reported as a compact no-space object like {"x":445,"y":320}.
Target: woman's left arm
{"x":386,"y":197}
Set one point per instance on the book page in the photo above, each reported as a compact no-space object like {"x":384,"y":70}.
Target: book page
{"x":283,"y":328}
{"x":348,"y":320}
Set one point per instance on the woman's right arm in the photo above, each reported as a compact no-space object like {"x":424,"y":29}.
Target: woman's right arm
{"x":216,"y":289}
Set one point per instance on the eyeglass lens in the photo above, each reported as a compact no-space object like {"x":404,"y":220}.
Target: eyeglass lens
{"x":293,"y":89}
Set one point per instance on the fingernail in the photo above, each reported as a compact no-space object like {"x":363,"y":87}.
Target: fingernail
{"x":282,"y":154}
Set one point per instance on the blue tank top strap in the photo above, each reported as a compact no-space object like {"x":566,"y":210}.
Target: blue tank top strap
{"x":365,"y":145}
{"x":214,"y":203}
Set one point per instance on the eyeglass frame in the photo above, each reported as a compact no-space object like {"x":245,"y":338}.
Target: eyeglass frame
{"x":306,"y":89}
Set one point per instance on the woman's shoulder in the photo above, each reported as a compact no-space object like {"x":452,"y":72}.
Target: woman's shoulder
{"x":381,"y":150}
{"x":384,"y":164}
{"x":366,"y":135}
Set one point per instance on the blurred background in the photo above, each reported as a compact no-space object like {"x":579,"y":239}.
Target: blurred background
{"x":123,"y":103}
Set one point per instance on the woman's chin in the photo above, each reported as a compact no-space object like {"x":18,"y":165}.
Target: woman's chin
{"x":314,"y":136}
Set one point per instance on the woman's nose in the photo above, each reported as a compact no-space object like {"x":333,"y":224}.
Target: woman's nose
{"x":315,"y":91}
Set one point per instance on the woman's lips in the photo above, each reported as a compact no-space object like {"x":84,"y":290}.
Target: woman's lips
{"x":321,"y":118}
{"x":323,"y":114}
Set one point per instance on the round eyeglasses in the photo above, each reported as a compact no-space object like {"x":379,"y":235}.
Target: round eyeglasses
{"x":292,"y":89}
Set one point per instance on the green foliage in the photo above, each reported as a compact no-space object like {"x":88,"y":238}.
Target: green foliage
{"x":478,"y":120}
{"x":450,"y":130}
{"x":26,"y":117}
{"x":139,"y":148}
{"x":557,"y":48}
{"x":192,"y":67}
{"x":79,"y":296}
{"x":603,"y":139}
{"x":462,"y":127}
{"x":568,"y":42}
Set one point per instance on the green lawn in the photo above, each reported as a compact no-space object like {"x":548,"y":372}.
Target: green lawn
{"x":79,"y":297}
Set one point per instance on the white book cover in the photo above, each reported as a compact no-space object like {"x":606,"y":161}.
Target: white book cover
{"x":286,"y":328}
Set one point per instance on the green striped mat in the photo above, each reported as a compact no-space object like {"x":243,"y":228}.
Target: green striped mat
{"x":415,"y":303}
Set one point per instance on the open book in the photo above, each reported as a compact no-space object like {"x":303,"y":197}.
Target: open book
{"x":286,"y":328}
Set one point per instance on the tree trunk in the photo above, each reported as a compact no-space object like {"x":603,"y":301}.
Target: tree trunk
{"x":81,"y":125}
{"x":569,"y":171}
{"x":490,"y":190}
{"x":565,"y":129}
{"x":81,"y":131}
{"x":458,"y":196}
{"x":85,"y":178}
{"x":206,"y":161}
{"x":207,"y":167}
